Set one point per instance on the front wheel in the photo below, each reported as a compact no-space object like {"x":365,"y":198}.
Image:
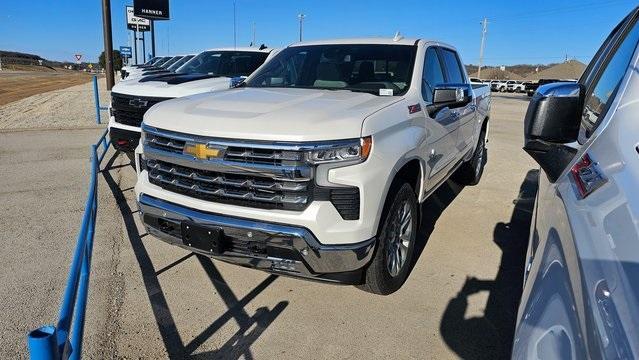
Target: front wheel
{"x":393,"y":258}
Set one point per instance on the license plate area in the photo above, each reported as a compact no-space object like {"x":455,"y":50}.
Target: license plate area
{"x":205,"y":238}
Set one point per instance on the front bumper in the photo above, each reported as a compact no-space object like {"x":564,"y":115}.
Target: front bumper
{"x":277,"y":248}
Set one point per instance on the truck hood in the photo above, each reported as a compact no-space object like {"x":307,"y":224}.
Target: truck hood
{"x":164,"y":89}
{"x":274,"y":114}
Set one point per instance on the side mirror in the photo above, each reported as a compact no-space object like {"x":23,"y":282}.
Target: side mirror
{"x":449,"y":96}
{"x":552,"y":120}
{"x":236,"y":81}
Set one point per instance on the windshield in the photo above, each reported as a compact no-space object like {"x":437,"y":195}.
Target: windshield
{"x":161,"y":61}
{"x":180,"y":62}
{"x":172,"y":61}
{"x":366,"y":68}
{"x":224,"y":63}
{"x":151,"y":61}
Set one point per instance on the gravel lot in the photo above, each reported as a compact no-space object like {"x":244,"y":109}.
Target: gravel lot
{"x":71,"y":107}
{"x":152,"y":300}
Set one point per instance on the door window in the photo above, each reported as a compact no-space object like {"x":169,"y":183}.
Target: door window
{"x":433,"y":74}
{"x":605,"y":87}
{"x":453,"y":67}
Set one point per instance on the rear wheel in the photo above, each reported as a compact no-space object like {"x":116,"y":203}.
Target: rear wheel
{"x":470,"y":172}
{"x":389,"y":268}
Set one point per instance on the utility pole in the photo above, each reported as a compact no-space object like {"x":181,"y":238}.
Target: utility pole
{"x":143,"y":49}
{"x":108,"y":43}
{"x":234,"y":27}
{"x":152,"y":38}
{"x":301,"y":17}
{"x":135,"y":42}
{"x":484,"y":25}
{"x":253,"y":43}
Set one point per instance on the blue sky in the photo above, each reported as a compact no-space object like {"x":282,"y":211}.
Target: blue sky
{"x":539,"y":31}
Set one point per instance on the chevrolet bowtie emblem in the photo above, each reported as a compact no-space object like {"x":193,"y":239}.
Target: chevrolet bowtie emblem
{"x":138,"y":103}
{"x":202,"y":151}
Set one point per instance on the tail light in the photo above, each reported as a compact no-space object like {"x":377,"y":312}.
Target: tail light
{"x":586,"y":176}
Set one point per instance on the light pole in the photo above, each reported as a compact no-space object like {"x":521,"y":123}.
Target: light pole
{"x":234,"y":27}
{"x":484,"y":29}
{"x":253,"y":42}
{"x":301,"y":17}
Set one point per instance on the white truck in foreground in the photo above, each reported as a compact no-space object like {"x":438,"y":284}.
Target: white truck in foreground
{"x":314,"y":167}
{"x":209,"y":71}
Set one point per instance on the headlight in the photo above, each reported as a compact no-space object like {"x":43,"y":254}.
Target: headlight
{"x":357,"y":150}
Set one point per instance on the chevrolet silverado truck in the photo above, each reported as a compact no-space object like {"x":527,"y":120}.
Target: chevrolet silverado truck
{"x":316,"y":164}
{"x":211,"y":70}
{"x":152,"y":64}
{"x":162,"y":65}
{"x":170,"y":67}
{"x":125,"y":69}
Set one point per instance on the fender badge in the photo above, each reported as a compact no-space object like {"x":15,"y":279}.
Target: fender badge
{"x":414,"y":108}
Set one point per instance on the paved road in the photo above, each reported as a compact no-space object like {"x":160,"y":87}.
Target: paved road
{"x":152,"y":300}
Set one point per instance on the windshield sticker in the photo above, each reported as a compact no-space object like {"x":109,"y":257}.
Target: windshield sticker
{"x":386,"y":92}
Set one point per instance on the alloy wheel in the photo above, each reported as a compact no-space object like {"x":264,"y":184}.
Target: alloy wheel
{"x":399,"y":239}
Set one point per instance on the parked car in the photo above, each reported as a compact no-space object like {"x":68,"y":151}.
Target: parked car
{"x":125,"y":69}
{"x":159,"y":66}
{"x":581,"y":292}
{"x":211,"y":70}
{"x":476,"y":80}
{"x":169,"y":67}
{"x":314,"y":167}
{"x":515,"y":86}
{"x":135,"y":69}
{"x":532,"y":86}
{"x":498,"y":85}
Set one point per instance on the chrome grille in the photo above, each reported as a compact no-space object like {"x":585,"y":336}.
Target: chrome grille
{"x":270,"y":175}
{"x":244,"y":154}
{"x":229,"y":188}
{"x":257,"y":176}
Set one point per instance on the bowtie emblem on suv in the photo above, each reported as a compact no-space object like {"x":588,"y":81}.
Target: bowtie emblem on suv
{"x":138,"y":103}
{"x":204,"y":151}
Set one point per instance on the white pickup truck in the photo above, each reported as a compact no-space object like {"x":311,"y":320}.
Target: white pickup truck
{"x":211,"y":70}
{"x":315,"y":166}
{"x":168,"y":67}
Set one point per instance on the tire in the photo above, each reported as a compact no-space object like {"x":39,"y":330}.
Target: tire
{"x":502,"y":90}
{"x":470,"y":172}
{"x":395,"y":241}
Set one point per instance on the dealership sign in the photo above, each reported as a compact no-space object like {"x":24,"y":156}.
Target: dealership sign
{"x":152,"y":9}
{"x":136,"y":23}
{"x":125,"y":51}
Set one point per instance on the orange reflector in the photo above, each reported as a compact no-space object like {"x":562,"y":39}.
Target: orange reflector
{"x":367,"y":144}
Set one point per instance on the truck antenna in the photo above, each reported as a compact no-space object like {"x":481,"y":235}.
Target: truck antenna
{"x":397,"y":36}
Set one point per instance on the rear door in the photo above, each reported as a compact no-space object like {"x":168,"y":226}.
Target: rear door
{"x":441,"y":129}
{"x":465,"y":115}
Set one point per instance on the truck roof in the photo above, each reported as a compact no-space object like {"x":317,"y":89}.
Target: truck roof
{"x":373,"y":40}
{"x":364,"y":40}
{"x":243,"y":48}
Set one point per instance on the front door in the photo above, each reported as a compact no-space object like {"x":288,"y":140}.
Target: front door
{"x":466,"y":114}
{"x":441,"y":128}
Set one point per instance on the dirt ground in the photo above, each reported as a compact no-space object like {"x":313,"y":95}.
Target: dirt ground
{"x":16,"y":85}
{"x":152,"y":300}
{"x":66,"y":108}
